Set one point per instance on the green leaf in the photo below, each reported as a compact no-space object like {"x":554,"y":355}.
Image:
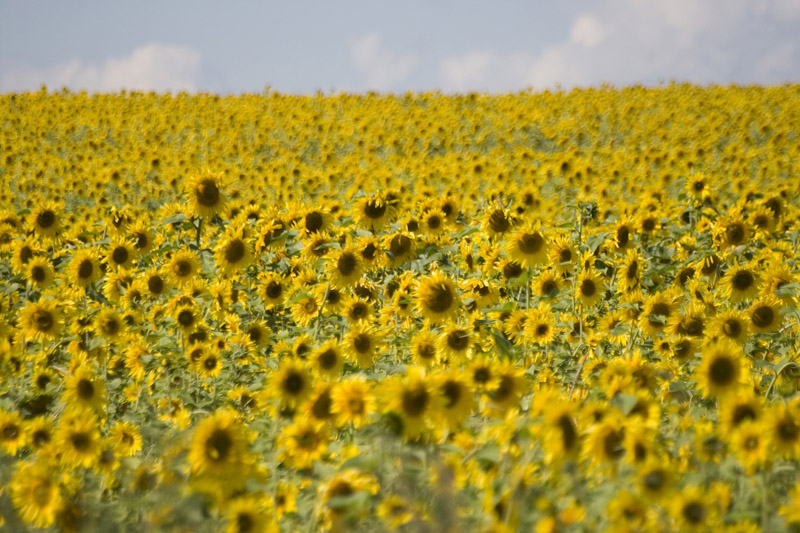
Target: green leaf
{"x":174,"y":219}
{"x":624,"y":402}
{"x":351,"y":501}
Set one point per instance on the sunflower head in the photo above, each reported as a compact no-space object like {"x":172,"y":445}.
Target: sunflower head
{"x":206,"y":196}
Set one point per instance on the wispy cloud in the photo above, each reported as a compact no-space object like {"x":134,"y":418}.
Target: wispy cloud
{"x":381,"y":69}
{"x":643,"y":41}
{"x":158,"y":67}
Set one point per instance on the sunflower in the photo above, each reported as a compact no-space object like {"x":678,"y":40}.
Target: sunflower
{"x":142,"y":237}
{"x":353,"y":402}
{"x":154,"y":283}
{"x":369,"y":251}
{"x":498,"y":221}
{"x":589,"y":288}
{"x":399,"y":248}
{"x":750,"y":445}
{"x":527,"y":246}
{"x":210,"y":364}
{"x":563,"y":255}
{"x":740,"y":283}
{"x":457,"y":397}
{"x":655,"y":477}
{"x":731,"y":231}
{"x":40,"y":320}
{"x":36,"y":494}
{"x":183,"y":267}
{"x":314,"y":220}
{"x":561,"y":437}
{"x":627,"y":512}
{"x":302,"y":443}
{"x":126,"y":437}
{"x":319,"y":405}
{"x":360,"y":345}
{"x":414,"y":398}
{"x":356,"y":310}
{"x":39,"y":272}
{"x":344,"y":267}
{"x":83,"y":389}
{"x":540,"y":327}
{"x":187,"y":318}
{"x":120,"y":254}
{"x":341,"y":485}
{"x":373,"y":212}
{"x":328,"y":359}
{"x":724,"y":369}
{"x":782,"y":425}
{"x":12,"y":434}
{"x":109,"y":324}
{"x":395,"y":512}
{"x":247,"y":514}
{"x":658,"y":309}
{"x":454,"y":343}
{"x":734,"y":409}
{"x":219,"y":449}
{"x":437,"y":298}
{"x":604,"y":442}
{"x":547,"y":285}
{"x":232,"y":252}
{"x":305,"y":309}
{"x":45,"y":220}
{"x":205,"y":194}
{"x":291,"y":382}
{"x":505,"y":395}
{"x":483,"y":374}
{"x":629,"y":275}
{"x":272,"y":289}
{"x":732,"y":324}
{"x":765,"y":314}
{"x":623,"y":234}
{"x":423,"y":348}
{"x":39,"y":433}
{"x":78,"y":438}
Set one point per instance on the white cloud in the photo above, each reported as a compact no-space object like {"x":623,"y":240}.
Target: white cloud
{"x":157,"y":67}
{"x":586,"y":30}
{"x":382,"y":70}
{"x":646,"y":41}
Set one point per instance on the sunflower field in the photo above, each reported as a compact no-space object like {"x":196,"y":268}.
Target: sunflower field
{"x":551,"y":312}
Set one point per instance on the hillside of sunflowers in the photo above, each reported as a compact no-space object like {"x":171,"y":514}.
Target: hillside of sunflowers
{"x":552,"y":312}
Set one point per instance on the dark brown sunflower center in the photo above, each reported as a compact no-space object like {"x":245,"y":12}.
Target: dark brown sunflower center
{"x":743,"y":280}
{"x":400,"y":245}
{"x":155,"y":284}
{"x":10,"y":431}
{"x":85,"y":389}
{"x":218,"y":445}
{"x":274,"y":290}
{"x":531,"y":243}
{"x":734,"y":234}
{"x":732,"y":328}
{"x":654,"y":480}
{"x":85,"y":269}
{"x":452,"y":391}
{"x":46,"y":219}
{"x":346,"y":264}
{"x":80,"y":441}
{"x":569,"y":434}
{"x":415,"y":401}
{"x":612,"y":445}
{"x":38,"y":274}
{"x":374,"y":209}
{"x":120,"y":255}
{"x":210,"y":363}
{"x":186,"y":318}
{"x":588,"y":288}
{"x":43,"y":320}
{"x":183,"y":268}
{"x":314,"y":221}
{"x":458,"y":340}
{"x":499,"y":222}
{"x":362,"y":343}
{"x":208,"y":193}
{"x":623,"y":235}
{"x":440,"y":299}
{"x":235,"y":251}
{"x":328,"y":359}
{"x":763,"y":317}
{"x":722,"y":371}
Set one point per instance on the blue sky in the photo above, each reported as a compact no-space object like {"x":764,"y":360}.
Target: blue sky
{"x":305,"y":46}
